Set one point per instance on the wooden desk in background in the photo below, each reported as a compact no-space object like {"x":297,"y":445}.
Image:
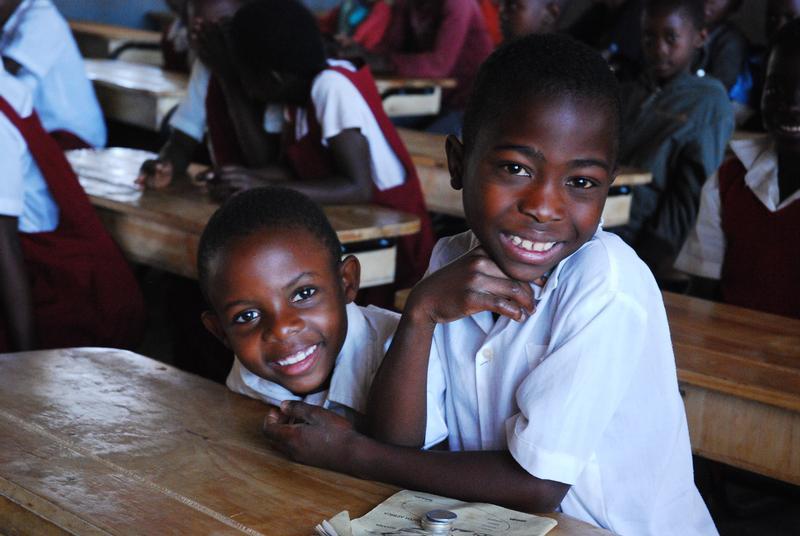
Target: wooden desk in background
{"x":134,"y":93}
{"x":97,"y":40}
{"x":428,"y":154}
{"x":102,"y":441}
{"x":162,"y":228}
{"x":412,"y":96}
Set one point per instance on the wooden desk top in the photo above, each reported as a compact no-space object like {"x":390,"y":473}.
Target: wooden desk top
{"x":737,"y":351}
{"x":107,"y":176}
{"x":114,"y":33}
{"x":136,"y":77}
{"x":387,"y":83}
{"x":427,"y":149}
{"x":102,"y":441}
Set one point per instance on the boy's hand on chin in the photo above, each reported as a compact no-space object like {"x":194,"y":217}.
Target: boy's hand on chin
{"x":469,"y":285}
{"x":310,"y":435}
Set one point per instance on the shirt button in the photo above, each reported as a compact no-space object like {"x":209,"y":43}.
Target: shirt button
{"x":488,"y":354}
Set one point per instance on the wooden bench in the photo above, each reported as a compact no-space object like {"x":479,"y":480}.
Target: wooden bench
{"x":162,"y":228}
{"x":103,"y":441}
{"x":739,"y":373}
{"x":428,"y":154}
{"x":98,"y":40}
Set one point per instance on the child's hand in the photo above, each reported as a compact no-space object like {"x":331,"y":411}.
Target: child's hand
{"x":317,"y":436}
{"x":154,"y":174}
{"x":469,"y":285}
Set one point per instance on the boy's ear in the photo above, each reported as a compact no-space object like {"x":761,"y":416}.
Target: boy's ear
{"x":552,"y":12}
{"x":212,"y":324}
{"x":350,"y":275}
{"x":702,"y":35}
{"x":455,"y":161}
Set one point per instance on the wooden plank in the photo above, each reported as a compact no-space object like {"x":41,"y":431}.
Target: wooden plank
{"x":103,"y":441}
{"x":98,"y":40}
{"x":161,"y":228}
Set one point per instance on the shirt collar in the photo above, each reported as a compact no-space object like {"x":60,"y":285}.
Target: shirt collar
{"x":10,"y":27}
{"x":757,"y":155}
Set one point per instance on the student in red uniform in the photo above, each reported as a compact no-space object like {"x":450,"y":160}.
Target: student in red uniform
{"x":357,"y":22}
{"x":744,"y":245}
{"x":63,"y":282}
{"x":337,"y":144}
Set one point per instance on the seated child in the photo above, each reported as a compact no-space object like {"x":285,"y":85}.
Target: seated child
{"x":270,"y":266}
{"x":358,"y":22}
{"x":615,"y":28}
{"x":38,"y":48}
{"x":675,"y":125}
{"x":63,"y":281}
{"x":744,"y":242}
{"x":724,"y":52}
{"x":538,"y":346}
{"x":523,"y":17}
{"x":778,"y":13}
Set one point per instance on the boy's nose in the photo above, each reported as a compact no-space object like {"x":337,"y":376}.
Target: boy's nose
{"x":542,"y":202}
{"x":283,"y":326}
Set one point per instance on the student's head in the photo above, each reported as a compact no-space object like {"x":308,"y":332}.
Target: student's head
{"x":780,"y":101}
{"x":523,"y":17}
{"x":212,"y":10}
{"x":779,"y":12}
{"x":539,"y":151}
{"x":279,"y":48}
{"x":717,"y":11}
{"x":672,"y":31}
{"x":269,"y":266}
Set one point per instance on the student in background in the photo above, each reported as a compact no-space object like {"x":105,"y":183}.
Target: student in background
{"x":357,"y":23}
{"x":675,"y":125}
{"x":778,"y":13}
{"x":724,"y":51}
{"x":522,"y":17}
{"x":614,"y":27}
{"x":63,"y":281}
{"x":337,"y":144}
{"x":743,"y":248}
{"x":537,"y":346}
{"x":202,"y":111}
{"x":281,"y":298}
{"x":37,"y":47}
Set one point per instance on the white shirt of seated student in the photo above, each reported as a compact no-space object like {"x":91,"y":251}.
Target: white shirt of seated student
{"x":369,"y":333}
{"x":23,"y":191}
{"x":338,"y":105}
{"x":38,"y":38}
{"x":583,"y":392}
{"x":703,"y":253}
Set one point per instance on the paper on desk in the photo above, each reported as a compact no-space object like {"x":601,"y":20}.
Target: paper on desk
{"x":400,"y":515}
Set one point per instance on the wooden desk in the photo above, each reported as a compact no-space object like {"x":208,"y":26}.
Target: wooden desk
{"x":162,"y":228}
{"x":427,"y":152}
{"x":412,"y":96}
{"x":740,"y":372}
{"x":97,"y":40}
{"x":135,"y":93}
{"x":102,"y":441}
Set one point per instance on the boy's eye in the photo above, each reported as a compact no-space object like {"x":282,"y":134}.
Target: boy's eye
{"x":303,"y":294}
{"x":581,"y":182}
{"x":516,"y":169}
{"x":246,"y":316}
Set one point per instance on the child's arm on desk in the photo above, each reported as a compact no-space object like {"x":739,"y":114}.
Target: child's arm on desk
{"x":16,"y":304}
{"x":172,"y":161}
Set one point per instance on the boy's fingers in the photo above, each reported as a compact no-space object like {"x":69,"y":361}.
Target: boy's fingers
{"x":299,"y":410}
{"x":497,"y":304}
{"x":514,"y":291}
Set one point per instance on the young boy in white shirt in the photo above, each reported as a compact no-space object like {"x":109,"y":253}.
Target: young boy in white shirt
{"x":38,"y":48}
{"x":537,"y":349}
{"x":270,"y":266}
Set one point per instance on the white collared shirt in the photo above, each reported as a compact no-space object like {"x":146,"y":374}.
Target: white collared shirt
{"x":369,"y":333}
{"x":583,"y":392}
{"x":23,"y":191}
{"x":703,"y":253}
{"x":38,"y":38}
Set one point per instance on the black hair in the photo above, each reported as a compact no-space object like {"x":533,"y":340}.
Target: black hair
{"x":258,"y":210}
{"x":278,"y":35}
{"x":788,"y":37}
{"x":547,"y":65}
{"x":692,"y":9}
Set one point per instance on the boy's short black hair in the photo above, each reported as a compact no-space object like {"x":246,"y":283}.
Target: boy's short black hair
{"x":547,"y":65}
{"x":788,"y":37}
{"x":278,"y":35}
{"x":261,"y":209}
{"x":692,"y":9}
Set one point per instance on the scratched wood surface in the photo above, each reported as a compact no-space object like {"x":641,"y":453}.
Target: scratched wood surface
{"x":104,"y":441}
{"x":162,"y":228}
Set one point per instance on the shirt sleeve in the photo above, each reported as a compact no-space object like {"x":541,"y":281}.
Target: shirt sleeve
{"x":704,"y":250}
{"x":338,"y":104}
{"x":435,"y":422}
{"x":190,"y":117}
{"x":582,"y":380}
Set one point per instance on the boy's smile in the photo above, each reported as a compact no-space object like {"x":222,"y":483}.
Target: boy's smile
{"x":669,"y":42}
{"x":536,"y":181}
{"x":279,"y":304}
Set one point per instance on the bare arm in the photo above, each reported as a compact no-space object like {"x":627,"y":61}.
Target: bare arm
{"x":16,"y":302}
{"x":173,"y":161}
